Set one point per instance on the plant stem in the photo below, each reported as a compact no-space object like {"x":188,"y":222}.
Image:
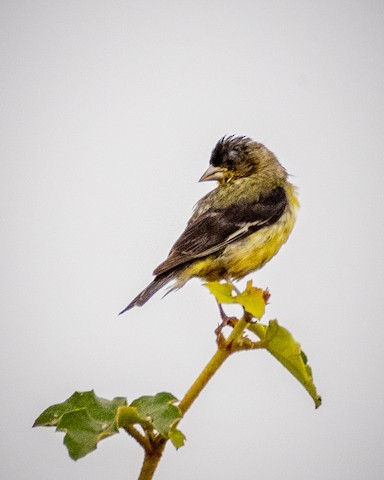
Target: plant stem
{"x":143,"y":441}
{"x":222,"y":353}
{"x":151,"y":461}
{"x":153,"y":455}
{"x":211,"y":368}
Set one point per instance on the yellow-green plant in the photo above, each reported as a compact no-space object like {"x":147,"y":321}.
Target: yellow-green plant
{"x":154,"y":420}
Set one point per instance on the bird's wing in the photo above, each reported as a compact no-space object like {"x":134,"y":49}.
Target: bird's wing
{"x":216,"y":228}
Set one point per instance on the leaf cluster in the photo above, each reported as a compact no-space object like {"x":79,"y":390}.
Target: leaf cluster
{"x":153,"y":420}
{"x":87,"y":419}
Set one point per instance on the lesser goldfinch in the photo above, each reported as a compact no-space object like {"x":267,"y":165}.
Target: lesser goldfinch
{"x":236,"y":228}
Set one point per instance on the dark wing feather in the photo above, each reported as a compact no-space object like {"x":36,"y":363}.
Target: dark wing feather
{"x":216,"y":228}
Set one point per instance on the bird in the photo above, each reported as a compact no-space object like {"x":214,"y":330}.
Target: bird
{"x":237,"y":227}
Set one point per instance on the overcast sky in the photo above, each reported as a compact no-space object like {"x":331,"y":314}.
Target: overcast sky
{"x":109,"y":112}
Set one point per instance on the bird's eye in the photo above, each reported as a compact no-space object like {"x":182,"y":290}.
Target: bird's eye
{"x":231,"y":158}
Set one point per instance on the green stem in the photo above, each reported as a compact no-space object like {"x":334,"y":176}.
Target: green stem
{"x":151,"y":461}
{"x":143,"y":441}
{"x":211,"y":368}
{"x":153,"y":455}
{"x":223,"y":352}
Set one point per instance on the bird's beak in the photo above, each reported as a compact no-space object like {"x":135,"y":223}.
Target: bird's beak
{"x":213,"y":173}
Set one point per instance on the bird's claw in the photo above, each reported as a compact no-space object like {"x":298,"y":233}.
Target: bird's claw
{"x":226,"y":322}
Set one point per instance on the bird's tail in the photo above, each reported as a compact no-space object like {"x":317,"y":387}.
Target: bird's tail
{"x":150,"y":290}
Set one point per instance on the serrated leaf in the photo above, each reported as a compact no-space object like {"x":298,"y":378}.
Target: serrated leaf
{"x":222,"y":291}
{"x":280,"y":343}
{"x":253,"y":300}
{"x":85,"y":418}
{"x":159,"y":410}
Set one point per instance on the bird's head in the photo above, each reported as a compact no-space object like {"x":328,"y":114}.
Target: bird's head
{"x":239,"y":157}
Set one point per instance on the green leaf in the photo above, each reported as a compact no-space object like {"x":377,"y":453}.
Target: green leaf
{"x":280,"y":343}
{"x":127,"y":415}
{"x":253,"y":300}
{"x":154,"y":413}
{"x":85,"y":418}
{"x":222,"y":291}
{"x":177,"y":438}
{"x":160,"y":410}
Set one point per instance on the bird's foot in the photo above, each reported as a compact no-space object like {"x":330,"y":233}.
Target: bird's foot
{"x":226,"y":322}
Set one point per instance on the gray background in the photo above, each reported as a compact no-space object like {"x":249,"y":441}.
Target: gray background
{"x":109,"y":112}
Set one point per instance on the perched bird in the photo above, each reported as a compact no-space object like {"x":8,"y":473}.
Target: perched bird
{"x":236,"y":228}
